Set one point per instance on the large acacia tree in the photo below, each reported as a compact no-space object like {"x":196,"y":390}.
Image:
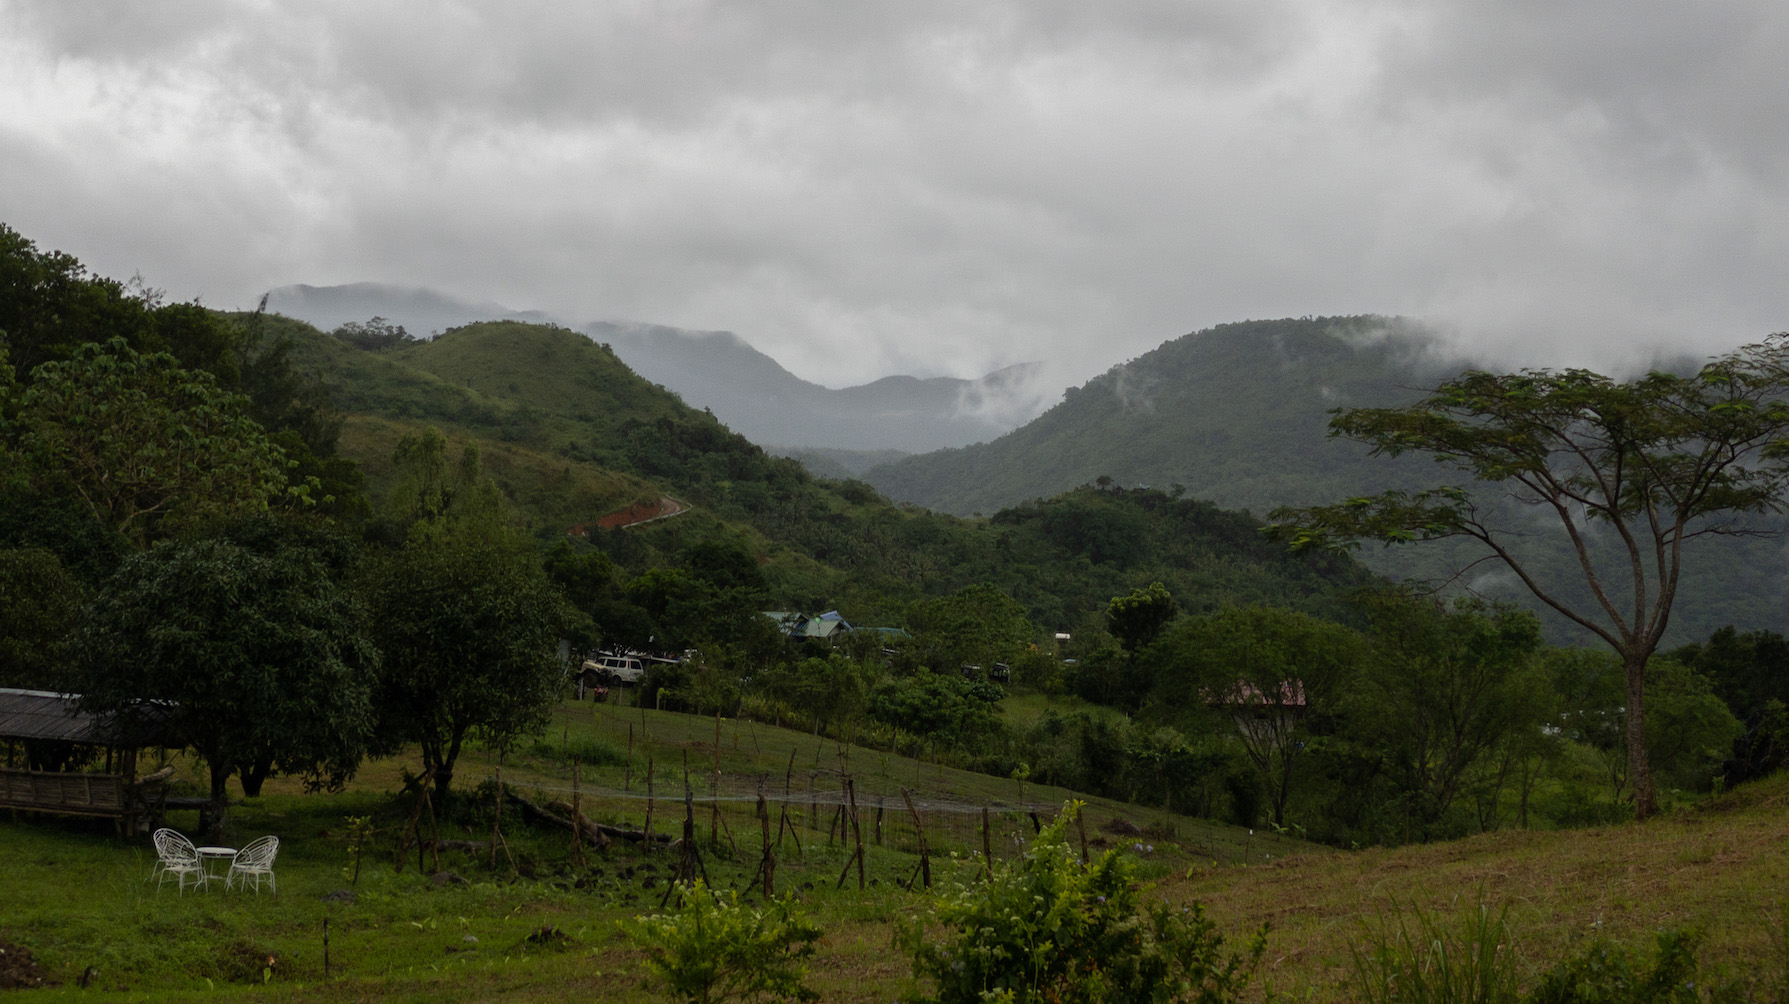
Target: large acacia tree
{"x":1629,"y":472}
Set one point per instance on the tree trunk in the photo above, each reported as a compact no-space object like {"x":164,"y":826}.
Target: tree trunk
{"x":255,"y":774}
{"x":220,"y":804}
{"x":1639,"y":767}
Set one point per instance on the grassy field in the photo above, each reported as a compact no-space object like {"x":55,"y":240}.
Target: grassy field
{"x":547,"y":929}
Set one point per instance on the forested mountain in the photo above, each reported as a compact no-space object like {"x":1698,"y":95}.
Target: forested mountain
{"x":1238,"y":414}
{"x":411,"y":526}
{"x":571,"y":433}
{"x":719,"y":371}
{"x":766,"y":403}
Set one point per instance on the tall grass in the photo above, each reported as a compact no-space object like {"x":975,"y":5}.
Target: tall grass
{"x":1433,"y":958}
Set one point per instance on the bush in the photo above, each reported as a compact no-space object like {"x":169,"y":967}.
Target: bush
{"x":1046,"y":927}
{"x":714,"y":949}
{"x":1608,"y":974}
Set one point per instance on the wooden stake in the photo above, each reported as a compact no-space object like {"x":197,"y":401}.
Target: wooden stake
{"x":856,"y":830}
{"x":714,"y":816}
{"x":648,"y":827}
{"x":768,"y":862}
{"x":925,"y":856}
{"x":1081,"y":826}
{"x":987,"y":846}
{"x":577,"y":830}
{"x":497,"y":827}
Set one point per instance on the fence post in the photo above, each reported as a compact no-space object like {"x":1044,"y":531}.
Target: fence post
{"x":925,"y":856}
{"x":647,"y":828}
{"x":577,"y":817}
{"x":987,"y":846}
{"x":768,"y":862}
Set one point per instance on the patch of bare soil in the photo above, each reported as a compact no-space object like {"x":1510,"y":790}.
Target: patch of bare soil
{"x":19,"y":971}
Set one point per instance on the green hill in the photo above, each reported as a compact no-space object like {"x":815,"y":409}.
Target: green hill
{"x":1238,"y":414}
{"x":570,"y":433}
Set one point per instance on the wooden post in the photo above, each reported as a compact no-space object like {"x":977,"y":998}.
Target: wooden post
{"x":410,"y":827}
{"x":497,"y":827}
{"x":856,"y":830}
{"x":647,"y":844}
{"x":878,"y":820}
{"x":428,"y":802}
{"x":1081,"y":827}
{"x":768,"y":862}
{"x":577,"y":816}
{"x":627,"y":778}
{"x":987,"y":846}
{"x":925,"y":856}
{"x":714,"y":816}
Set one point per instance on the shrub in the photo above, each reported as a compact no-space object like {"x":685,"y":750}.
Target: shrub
{"x":714,"y":949}
{"x":1608,"y":974}
{"x":1046,"y":927}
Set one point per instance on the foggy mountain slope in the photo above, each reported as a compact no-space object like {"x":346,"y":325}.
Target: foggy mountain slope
{"x":766,"y":403}
{"x":1237,"y":414}
{"x":718,"y":370}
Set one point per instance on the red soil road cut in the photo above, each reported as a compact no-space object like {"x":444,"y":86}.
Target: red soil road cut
{"x":639,"y":513}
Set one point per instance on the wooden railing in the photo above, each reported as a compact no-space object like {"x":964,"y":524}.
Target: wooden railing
{"x":77,"y":794}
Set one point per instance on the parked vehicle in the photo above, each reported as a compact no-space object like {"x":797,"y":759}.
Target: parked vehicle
{"x":615,"y":669}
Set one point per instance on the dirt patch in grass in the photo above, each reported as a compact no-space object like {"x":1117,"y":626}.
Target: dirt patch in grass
{"x":19,"y":970}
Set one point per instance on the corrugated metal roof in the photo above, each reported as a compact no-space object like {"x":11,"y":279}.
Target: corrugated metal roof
{"x":43,"y":714}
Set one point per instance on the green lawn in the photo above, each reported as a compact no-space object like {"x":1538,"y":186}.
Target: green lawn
{"x":75,"y":895}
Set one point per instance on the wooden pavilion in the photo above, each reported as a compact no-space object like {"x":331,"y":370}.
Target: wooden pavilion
{"x":51,"y":748}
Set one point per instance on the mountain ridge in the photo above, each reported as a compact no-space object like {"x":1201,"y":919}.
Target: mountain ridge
{"x":719,"y":370}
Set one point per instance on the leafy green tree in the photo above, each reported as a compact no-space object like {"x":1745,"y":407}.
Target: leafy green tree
{"x":1138,"y":618}
{"x":251,"y":644}
{"x":40,"y":604}
{"x":959,"y":712}
{"x":1651,"y":464}
{"x":1268,"y":671}
{"x":1046,"y":927}
{"x":1449,"y":685}
{"x":467,"y":618}
{"x":141,"y":442}
{"x":469,"y":626}
{"x":977,"y":625}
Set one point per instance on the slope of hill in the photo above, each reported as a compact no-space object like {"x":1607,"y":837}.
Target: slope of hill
{"x":761,"y":400}
{"x":721,"y":372}
{"x":576,"y":433}
{"x":1238,"y":414}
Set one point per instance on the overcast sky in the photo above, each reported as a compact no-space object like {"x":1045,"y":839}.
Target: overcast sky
{"x":866,"y":188}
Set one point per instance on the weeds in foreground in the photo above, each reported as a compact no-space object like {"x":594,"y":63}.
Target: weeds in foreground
{"x":1467,"y":959}
{"x":1470,"y":958}
{"x":715,"y":949}
{"x":1048,"y":927}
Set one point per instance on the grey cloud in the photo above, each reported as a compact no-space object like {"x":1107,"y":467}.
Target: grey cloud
{"x":939,"y":188}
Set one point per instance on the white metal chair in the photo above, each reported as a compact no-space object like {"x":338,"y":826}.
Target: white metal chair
{"x":176,"y":856}
{"x":253,"y":863}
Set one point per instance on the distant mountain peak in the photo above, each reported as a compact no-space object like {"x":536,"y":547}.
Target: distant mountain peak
{"x":718,"y":370}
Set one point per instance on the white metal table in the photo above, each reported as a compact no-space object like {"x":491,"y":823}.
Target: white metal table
{"x":210,"y":854}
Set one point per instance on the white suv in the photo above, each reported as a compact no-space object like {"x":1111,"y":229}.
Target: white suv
{"x":616,"y":668}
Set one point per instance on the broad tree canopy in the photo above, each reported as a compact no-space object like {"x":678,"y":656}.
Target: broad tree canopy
{"x":255,"y":641}
{"x":1647,"y":466}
